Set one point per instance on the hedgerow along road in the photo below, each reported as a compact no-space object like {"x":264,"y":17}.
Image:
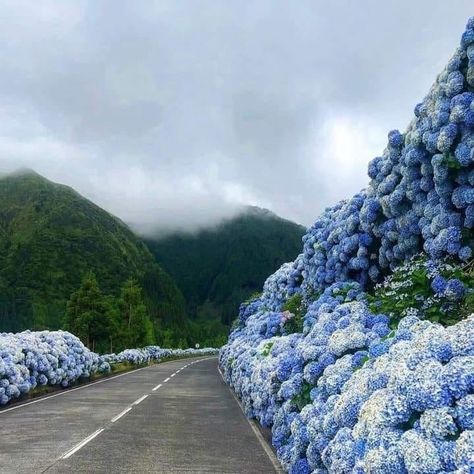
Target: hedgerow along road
{"x":172,"y":417}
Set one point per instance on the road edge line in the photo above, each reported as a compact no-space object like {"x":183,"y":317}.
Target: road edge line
{"x":253,"y":424}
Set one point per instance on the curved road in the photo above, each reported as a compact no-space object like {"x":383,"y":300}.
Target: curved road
{"x":174,"y":417}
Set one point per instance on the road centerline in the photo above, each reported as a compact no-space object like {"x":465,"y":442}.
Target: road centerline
{"x":76,"y":448}
{"x":122,"y":413}
{"x":136,"y":402}
{"x":68,"y":391}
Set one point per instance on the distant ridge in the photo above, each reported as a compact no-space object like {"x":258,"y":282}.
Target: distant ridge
{"x":50,"y":236}
{"x":218,"y":267}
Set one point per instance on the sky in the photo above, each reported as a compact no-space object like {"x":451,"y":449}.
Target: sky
{"x":173,"y":114}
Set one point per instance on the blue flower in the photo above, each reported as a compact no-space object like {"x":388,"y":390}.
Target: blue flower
{"x":439,"y":285}
{"x":346,"y":394}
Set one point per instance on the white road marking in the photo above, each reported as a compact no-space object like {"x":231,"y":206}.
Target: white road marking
{"x":82,"y":444}
{"x":172,"y":375}
{"x":136,"y":402}
{"x":116,"y":418}
{"x":70,"y":390}
{"x":166,"y":380}
{"x":157,"y":387}
{"x":258,"y":434}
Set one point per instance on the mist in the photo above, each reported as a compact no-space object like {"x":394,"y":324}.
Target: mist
{"x":174,"y":115}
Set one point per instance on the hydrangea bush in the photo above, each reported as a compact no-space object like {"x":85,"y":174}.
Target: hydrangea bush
{"x":360,"y":354}
{"x":58,"y":358}
{"x":153,"y":354}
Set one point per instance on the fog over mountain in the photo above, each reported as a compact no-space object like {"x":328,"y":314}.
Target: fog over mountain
{"x":177,"y":113}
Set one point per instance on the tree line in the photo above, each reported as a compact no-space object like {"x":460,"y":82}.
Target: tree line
{"x":108,"y":323}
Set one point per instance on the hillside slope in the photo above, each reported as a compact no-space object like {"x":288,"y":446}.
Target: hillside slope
{"x":219,"y":267}
{"x":50,"y":236}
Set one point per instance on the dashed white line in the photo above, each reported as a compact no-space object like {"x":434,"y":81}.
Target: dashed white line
{"x":136,"y":402}
{"x":71,"y":390}
{"x":82,"y":444}
{"x":172,"y":375}
{"x":154,"y":389}
{"x":116,"y":418}
{"x":166,"y":380}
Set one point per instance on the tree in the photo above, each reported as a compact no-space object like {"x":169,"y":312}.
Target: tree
{"x":89,"y":315}
{"x":138,"y":328}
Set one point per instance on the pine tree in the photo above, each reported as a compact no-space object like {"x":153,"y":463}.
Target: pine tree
{"x":134,"y":316}
{"x":89,"y":316}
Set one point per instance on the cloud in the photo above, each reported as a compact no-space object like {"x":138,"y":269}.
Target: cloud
{"x":174,"y":114}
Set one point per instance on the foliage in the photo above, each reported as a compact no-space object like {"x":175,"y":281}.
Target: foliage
{"x":303,"y":397}
{"x":297,"y":309}
{"x":51,"y":237}
{"x":411,"y":289}
{"x":267,"y":348}
{"x":90,"y":317}
{"x":134,"y":320}
{"x":227,"y":264}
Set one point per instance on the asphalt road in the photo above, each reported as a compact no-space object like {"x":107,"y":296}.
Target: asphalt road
{"x":146,"y":421}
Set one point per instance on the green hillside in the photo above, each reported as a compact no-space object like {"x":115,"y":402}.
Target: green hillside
{"x":218,"y":268}
{"x":50,"y":237}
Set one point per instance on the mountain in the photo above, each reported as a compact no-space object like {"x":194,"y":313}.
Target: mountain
{"x":218,"y":268}
{"x":50,"y":236}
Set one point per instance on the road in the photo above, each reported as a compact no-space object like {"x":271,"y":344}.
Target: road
{"x":174,"y":417}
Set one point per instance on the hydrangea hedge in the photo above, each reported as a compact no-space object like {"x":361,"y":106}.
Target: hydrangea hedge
{"x":360,"y":354}
{"x":57,"y":358}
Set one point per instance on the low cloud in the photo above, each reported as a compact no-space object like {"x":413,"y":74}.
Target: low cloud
{"x":174,"y":114}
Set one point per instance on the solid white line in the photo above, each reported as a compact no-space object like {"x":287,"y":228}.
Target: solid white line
{"x":258,"y":434}
{"x":156,"y":388}
{"x":116,"y":418}
{"x":70,"y":391}
{"x":136,"y":402}
{"x":166,"y":380}
{"x":82,"y":444}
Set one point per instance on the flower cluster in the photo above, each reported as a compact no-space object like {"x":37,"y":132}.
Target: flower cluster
{"x":433,"y":290}
{"x":30,"y":359}
{"x":409,"y":410}
{"x":284,"y":283}
{"x":420,"y":197}
{"x":153,"y":354}
{"x":373,"y":383}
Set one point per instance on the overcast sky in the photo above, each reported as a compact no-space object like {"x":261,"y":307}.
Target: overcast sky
{"x":172,"y":113}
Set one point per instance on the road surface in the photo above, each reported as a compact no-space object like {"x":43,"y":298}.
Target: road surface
{"x":168,"y":418}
